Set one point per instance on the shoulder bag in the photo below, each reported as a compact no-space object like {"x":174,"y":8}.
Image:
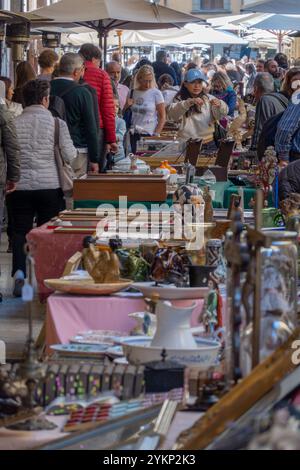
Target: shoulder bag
{"x":127,"y":116}
{"x":65,"y":172}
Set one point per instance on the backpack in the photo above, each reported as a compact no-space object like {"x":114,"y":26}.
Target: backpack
{"x":57,"y":105}
{"x":268,"y":132}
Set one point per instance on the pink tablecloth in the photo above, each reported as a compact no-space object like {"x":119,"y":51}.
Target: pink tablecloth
{"x":51,"y":251}
{"x":68,"y":315}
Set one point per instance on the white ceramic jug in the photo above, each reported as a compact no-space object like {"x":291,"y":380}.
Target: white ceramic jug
{"x":173,"y":327}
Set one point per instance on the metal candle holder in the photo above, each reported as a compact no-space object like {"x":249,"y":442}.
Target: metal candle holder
{"x":30,"y":371}
{"x":243,"y":255}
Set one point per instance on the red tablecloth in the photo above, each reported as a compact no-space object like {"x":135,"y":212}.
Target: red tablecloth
{"x":68,"y":315}
{"x":51,"y":251}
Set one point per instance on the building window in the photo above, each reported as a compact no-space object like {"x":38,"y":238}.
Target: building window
{"x":211,"y":5}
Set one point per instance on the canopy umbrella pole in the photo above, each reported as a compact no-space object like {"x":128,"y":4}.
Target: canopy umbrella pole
{"x":280,"y":39}
{"x":120,"y":34}
{"x":103,"y":34}
{"x":105,"y":48}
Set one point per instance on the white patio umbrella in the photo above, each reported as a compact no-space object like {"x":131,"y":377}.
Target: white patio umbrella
{"x":226,"y":23}
{"x":191,"y":34}
{"x":106,"y":15}
{"x":283,"y":7}
{"x":207,"y":35}
{"x":278,"y":25}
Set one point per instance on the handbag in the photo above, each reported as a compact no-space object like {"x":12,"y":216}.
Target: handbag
{"x":127,"y":116}
{"x":66,"y":174}
{"x":219,"y":134}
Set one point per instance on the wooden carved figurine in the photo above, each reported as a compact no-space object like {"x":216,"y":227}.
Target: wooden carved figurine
{"x":208,"y":211}
{"x":290,"y":207}
{"x":101,"y":264}
{"x":237,"y":124}
{"x":234,"y":207}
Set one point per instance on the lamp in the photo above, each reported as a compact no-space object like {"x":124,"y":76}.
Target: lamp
{"x":51,"y":39}
{"x":18,"y":37}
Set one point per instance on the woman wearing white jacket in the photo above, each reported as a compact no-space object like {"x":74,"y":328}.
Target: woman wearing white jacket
{"x":38,"y":192}
{"x":196,"y":111}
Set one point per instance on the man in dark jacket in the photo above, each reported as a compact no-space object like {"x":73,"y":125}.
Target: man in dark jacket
{"x":80,"y":111}
{"x":289,"y":180}
{"x":161,"y":67}
{"x":9,"y":158}
{"x":269,"y":104}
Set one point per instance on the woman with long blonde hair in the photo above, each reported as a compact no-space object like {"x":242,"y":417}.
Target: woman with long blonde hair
{"x":222,"y":88}
{"x":147,"y":106}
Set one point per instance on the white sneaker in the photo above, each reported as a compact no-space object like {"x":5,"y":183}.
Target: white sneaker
{"x":19,"y":283}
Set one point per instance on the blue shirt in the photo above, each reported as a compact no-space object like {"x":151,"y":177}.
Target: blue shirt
{"x":288,"y":132}
{"x":120,"y":133}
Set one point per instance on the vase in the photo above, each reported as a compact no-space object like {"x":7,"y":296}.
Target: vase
{"x":173,"y":327}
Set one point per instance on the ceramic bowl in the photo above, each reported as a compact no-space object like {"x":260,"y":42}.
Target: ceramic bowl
{"x":162,"y":171}
{"x":170,"y":291}
{"x":139,"y":351}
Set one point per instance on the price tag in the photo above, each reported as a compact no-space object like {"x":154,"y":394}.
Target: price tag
{"x":27,"y":293}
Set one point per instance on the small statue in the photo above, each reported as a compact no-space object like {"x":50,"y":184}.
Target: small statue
{"x":133,"y":160}
{"x":290,"y":207}
{"x":188,"y":194}
{"x":267,"y":172}
{"x":283,"y":434}
{"x":235,"y":202}
{"x":169,"y":266}
{"x":133,"y":265}
{"x":237,"y":124}
{"x":102,"y":265}
{"x":208,"y":211}
{"x":212,"y":310}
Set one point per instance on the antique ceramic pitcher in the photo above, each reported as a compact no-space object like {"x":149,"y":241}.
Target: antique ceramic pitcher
{"x":173,"y":327}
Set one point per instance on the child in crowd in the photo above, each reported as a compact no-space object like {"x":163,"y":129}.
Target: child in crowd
{"x":120,"y":133}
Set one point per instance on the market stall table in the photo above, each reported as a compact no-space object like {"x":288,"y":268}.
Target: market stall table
{"x":249,"y":194}
{"x":68,"y":315}
{"x":51,"y":251}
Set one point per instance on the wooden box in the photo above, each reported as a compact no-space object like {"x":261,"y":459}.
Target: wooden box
{"x":150,"y":188}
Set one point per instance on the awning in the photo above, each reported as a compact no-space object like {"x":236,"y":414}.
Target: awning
{"x":288,"y":7}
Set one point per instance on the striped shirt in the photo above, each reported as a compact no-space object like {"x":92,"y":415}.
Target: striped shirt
{"x":288,"y":132}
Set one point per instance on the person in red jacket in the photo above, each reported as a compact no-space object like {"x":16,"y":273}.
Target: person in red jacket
{"x":99,"y":79}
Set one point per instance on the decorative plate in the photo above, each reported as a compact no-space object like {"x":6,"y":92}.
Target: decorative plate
{"x":98,"y":337}
{"x":80,"y":350}
{"x":86,"y":287}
